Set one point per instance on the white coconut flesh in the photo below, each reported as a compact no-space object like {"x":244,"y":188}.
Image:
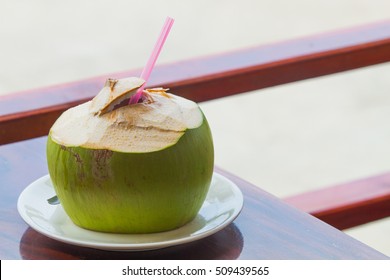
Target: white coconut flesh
{"x":149,"y":126}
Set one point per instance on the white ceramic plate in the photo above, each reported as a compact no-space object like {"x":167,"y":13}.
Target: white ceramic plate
{"x":223,"y":203}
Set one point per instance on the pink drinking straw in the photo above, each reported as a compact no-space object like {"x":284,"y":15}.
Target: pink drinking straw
{"x":153,"y":58}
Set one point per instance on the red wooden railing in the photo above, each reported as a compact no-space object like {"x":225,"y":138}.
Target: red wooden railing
{"x":31,"y":113}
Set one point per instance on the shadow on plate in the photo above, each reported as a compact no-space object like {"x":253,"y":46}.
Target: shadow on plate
{"x":225,"y":244}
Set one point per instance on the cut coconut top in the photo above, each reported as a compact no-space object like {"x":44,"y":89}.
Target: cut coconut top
{"x":103,"y":123}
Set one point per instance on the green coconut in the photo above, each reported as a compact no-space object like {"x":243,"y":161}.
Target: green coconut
{"x":138,"y":168}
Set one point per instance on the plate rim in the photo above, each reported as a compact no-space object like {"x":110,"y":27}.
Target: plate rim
{"x":132,"y":246}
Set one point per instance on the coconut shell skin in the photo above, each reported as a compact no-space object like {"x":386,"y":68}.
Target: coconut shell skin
{"x":117,"y":192}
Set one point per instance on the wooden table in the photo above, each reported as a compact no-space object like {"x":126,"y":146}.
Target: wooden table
{"x":267,"y":228}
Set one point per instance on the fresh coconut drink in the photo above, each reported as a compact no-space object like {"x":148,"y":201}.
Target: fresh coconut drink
{"x":139,"y":168}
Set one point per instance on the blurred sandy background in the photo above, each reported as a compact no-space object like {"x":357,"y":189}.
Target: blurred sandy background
{"x":286,"y":139}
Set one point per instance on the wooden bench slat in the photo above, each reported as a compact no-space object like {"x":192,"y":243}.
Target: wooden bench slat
{"x":350,"y":204}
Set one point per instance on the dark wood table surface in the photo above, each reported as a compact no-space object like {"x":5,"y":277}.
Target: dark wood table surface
{"x":267,"y":228}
